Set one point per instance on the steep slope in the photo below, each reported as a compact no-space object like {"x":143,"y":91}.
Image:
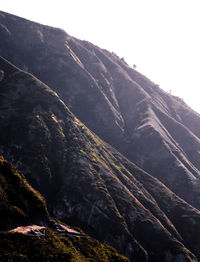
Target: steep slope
{"x":51,"y":246}
{"x":85,"y":181}
{"x":154,"y":129}
{"x":19,"y":203}
{"x":22,"y":209}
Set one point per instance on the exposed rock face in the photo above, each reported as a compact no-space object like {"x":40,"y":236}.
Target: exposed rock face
{"x":85,"y":181}
{"x":154,"y":129}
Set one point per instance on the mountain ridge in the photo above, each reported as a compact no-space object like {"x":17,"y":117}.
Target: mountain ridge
{"x":120,"y":105}
{"x":84,"y":180}
{"x":84,"y":189}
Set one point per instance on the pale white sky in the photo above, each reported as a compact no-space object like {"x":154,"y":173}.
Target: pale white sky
{"x":162,"y":37}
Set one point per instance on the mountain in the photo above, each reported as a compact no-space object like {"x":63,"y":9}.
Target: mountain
{"x":85,"y":181}
{"x":27,"y":233}
{"x":152,"y":128}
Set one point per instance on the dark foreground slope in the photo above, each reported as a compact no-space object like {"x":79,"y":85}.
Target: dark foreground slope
{"x":27,"y":234}
{"x":86,"y":182}
{"x":154,"y":129}
{"x":19,"y":203}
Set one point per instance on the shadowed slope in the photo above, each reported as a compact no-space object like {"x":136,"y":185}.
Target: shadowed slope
{"x":84,"y":180}
{"x":21,"y":205}
{"x":154,"y":129}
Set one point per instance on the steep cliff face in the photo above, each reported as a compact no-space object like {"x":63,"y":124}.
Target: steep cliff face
{"x":154,"y":129}
{"x":85,"y":181}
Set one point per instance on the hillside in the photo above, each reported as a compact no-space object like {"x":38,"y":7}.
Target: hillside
{"x":139,"y":191}
{"x":152,"y":128}
{"x":27,"y":233}
{"x":86,"y":182}
{"x":19,"y":203}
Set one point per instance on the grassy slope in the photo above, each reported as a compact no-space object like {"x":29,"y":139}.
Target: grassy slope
{"x":82,"y":179}
{"x":154,"y":129}
{"x":54,"y":247}
{"x":20,"y":205}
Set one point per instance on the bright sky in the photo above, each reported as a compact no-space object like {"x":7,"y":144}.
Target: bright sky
{"x":162,"y":37}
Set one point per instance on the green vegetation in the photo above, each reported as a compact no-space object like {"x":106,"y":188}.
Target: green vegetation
{"x":54,"y":247}
{"x":19,"y":202}
{"x":85,"y":181}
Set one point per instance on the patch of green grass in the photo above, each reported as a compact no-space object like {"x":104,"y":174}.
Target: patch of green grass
{"x":54,"y":247}
{"x":19,"y":202}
